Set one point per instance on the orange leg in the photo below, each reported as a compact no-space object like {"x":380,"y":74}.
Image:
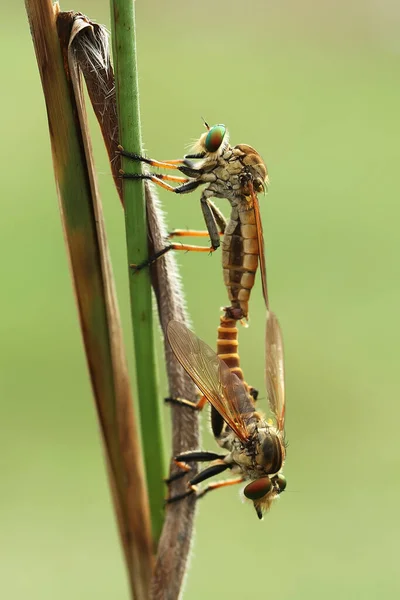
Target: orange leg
{"x":161,"y":164}
{"x":189,"y":233}
{"x":219,"y":220}
{"x":175,"y":161}
{"x":219,"y":484}
{"x":157,"y":179}
{"x":183,"y":402}
{"x":157,"y":255}
{"x":184,"y":468}
{"x":180,"y":164}
{"x":186,"y":186}
{"x":165,"y":177}
{"x":200,"y":493}
{"x":191,"y":248}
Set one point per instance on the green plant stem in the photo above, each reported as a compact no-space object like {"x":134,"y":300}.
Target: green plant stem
{"x":126,"y":81}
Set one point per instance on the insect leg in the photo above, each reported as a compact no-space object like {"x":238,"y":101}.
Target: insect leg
{"x":184,"y":469}
{"x":157,"y":255}
{"x":219,"y":218}
{"x":159,"y":179}
{"x":211,"y":214}
{"x":209,"y":472}
{"x":209,"y":217}
{"x":219,"y":484}
{"x":162,"y":164}
{"x":181,"y":164}
{"x":183,"y":402}
{"x":190,"y":170}
{"x":200,"y":493}
{"x":191,"y":457}
{"x":180,"y":496}
{"x":206,"y":474}
{"x":198,"y":456}
{"x":189,"y":233}
{"x":197,"y":155}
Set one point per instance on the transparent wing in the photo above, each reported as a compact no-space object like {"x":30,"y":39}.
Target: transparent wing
{"x":261,"y":248}
{"x":223,"y":389}
{"x":275,"y":370}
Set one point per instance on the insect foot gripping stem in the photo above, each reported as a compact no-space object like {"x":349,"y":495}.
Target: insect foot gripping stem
{"x":183,"y":402}
{"x":152,"y":259}
{"x":183,"y":470}
{"x":178,"y":497}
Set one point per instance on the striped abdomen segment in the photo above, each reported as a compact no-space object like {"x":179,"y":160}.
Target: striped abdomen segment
{"x":227,"y":345}
{"x":227,"y":350}
{"x":240,"y":259}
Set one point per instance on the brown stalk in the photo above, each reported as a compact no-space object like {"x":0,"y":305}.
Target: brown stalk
{"x":174,"y":546}
{"x":84,"y":232}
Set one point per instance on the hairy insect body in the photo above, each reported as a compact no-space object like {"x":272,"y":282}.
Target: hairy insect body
{"x":262,"y":454}
{"x":255,"y":447}
{"x":236,"y":174}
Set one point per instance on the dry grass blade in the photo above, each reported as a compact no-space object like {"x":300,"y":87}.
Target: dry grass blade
{"x":94,"y":289}
{"x":92,"y":53}
{"x":176,"y":537}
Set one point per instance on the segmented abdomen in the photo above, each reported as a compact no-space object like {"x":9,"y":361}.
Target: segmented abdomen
{"x":227,"y":350}
{"x":227,"y":345}
{"x":240,"y":260}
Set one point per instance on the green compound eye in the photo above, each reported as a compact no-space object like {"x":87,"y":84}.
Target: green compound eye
{"x":280,"y":481}
{"x":258,"y":488}
{"x":215,"y":137}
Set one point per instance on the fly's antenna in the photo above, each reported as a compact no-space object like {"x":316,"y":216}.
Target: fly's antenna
{"x":206,"y":125}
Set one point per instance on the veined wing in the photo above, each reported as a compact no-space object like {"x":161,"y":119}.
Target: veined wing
{"x":275,"y":369}
{"x":261,"y":247}
{"x":223,"y":389}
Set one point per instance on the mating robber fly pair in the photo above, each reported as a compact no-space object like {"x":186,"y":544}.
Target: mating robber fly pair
{"x":255,"y":446}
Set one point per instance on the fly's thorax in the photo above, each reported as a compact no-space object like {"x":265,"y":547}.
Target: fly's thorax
{"x":227,"y":179}
{"x":228,"y":440}
{"x":244,"y":454}
{"x":228,"y":171}
{"x":223,"y":189}
{"x":255,"y":165}
{"x":242,"y":458}
{"x":270,"y":452}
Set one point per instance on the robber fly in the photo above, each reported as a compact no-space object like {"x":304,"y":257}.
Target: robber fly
{"x":237,"y":173}
{"x":255,"y":446}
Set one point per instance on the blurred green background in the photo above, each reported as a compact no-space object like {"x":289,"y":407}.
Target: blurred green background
{"x":315,"y":88}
